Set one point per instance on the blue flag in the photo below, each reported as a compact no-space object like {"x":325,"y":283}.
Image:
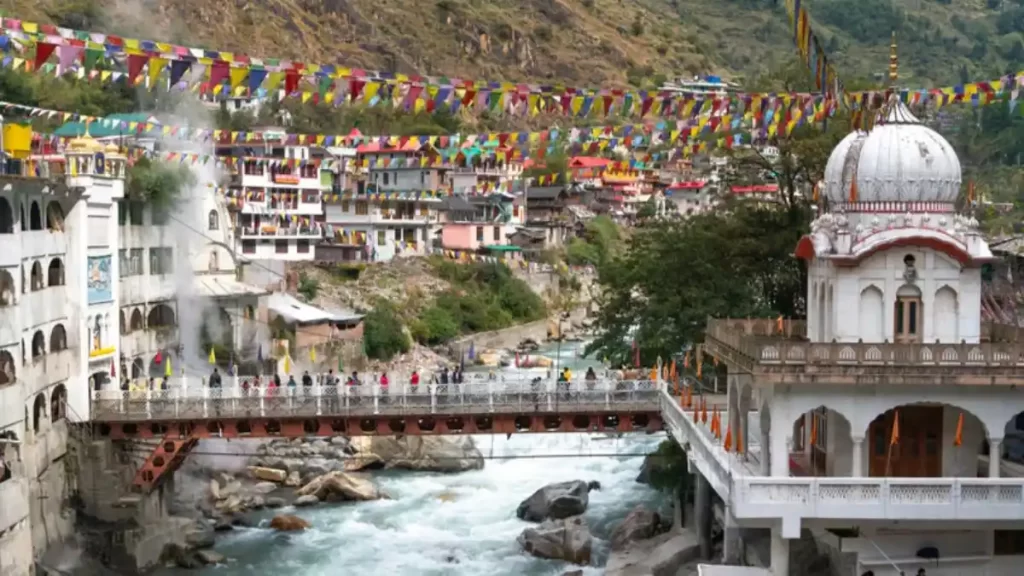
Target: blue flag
{"x":472,"y":351}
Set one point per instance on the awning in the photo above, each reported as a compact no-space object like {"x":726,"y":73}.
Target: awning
{"x":503,"y":248}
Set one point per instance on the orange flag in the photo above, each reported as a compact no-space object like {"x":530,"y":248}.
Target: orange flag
{"x":704,"y":409}
{"x":739,"y":443}
{"x":814,"y":429}
{"x":696,"y":411}
{"x":716,"y":424}
{"x":686,"y":359}
{"x":779,"y":324}
{"x":958,"y":440}
{"x":895,"y":429}
{"x":672,"y":369}
{"x":728,"y":439}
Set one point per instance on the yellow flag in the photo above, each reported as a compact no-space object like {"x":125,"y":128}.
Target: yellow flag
{"x":312,"y":354}
{"x":213,"y":357}
{"x":167,"y":366}
{"x":287,"y":364}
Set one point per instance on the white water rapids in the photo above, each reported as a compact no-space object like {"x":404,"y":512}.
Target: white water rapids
{"x":452,"y":525}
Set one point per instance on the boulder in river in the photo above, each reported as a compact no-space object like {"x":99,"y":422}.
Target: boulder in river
{"x":663,"y":555}
{"x":336,"y":486}
{"x":288,"y":523}
{"x":567,"y":539}
{"x":307,"y":500}
{"x":420,"y":453}
{"x":268,"y":474}
{"x":555,"y":501}
{"x":640,"y":524}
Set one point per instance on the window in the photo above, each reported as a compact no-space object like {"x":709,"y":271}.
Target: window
{"x":497,"y":233}
{"x":161,"y":216}
{"x":122,"y":212}
{"x":214,"y":222}
{"x":381,"y":238}
{"x":302,"y":247}
{"x":424,"y":210}
{"x":281,"y":246}
{"x":479,"y":233}
{"x":398,"y":235}
{"x":1009,"y":542}
{"x":345,"y":206}
{"x":386,"y":175}
{"x":423,"y":178}
{"x":248,"y":246}
{"x":362,"y":208}
{"x":135,"y":211}
{"x":130,"y":262}
{"x":161,"y":261}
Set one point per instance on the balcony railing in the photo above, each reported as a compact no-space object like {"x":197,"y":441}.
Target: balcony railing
{"x":281,"y":232}
{"x":783,"y":342}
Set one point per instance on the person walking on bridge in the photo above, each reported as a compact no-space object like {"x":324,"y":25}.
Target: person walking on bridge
{"x":384,"y":387}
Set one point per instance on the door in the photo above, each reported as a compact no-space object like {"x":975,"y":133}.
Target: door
{"x":917,"y":452}
{"x":908,"y":320}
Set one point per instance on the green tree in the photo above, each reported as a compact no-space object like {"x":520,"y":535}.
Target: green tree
{"x":667,"y":471}
{"x":384,"y":335}
{"x":158,"y":183}
{"x":309,"y":286}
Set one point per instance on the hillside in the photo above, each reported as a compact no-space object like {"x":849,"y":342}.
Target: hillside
{"x":579,"y":42}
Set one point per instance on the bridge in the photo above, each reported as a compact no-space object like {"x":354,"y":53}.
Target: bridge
{"x":181,"y":415}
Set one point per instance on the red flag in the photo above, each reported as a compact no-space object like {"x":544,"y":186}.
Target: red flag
{"x":517,"y":359}
{"x":159,"y":358}
{"x":218,"y":73}
{"x":135,"y":64}
{"x":113,"y":372}
{"x":43,"y":52}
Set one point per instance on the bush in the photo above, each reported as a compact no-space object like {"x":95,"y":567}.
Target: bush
{"x":435,"y":325}
{"x":383,"y":334}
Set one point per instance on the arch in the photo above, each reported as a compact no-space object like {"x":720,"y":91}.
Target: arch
{"x":160,"y":316}
{"x":872,"y":314}
{"x":38,"y":411}
{"x":55,"y":273}
{"x":924,"y":444}
{"x":138,"y":368}
{"x":214,"y":264}
{"x":58,"y":403}
{"x":822,"y":443}
{"x":7,"y":290}
{"x":6,"y":217}
{"x":249,"y":313}
{"x":36,"y":276}
{"x":213,"y":220}
{"x":8,"y":372}
{"x":58,"y":338}
{"x":24,"y":226}
{"x":35,"y":217}
{"x":945,"y":315}
{"x":38,"y":345}
{"x":99,"y":380}
{"x":136,"y":321}
{"x":54,"y":217}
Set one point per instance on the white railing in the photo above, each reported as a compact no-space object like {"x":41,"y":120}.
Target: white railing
{"x":489,"y":396}
{"x":880,"y":498}
{"x":706,"y":453}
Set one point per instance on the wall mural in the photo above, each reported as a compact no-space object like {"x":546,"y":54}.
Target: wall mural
{"x":100,"y":286}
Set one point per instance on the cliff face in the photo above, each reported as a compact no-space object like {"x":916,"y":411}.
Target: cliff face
{"x":576,"y":42}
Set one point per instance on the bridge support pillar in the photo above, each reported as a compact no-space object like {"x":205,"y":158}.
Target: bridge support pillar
{"x":780,"y":553}
{"x":732,"y":542}
{"x":702,"y":515}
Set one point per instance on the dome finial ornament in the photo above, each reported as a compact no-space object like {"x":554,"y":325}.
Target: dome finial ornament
{"x":894,"y":62}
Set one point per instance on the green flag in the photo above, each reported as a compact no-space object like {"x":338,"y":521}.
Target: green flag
{"x":341,"y":365}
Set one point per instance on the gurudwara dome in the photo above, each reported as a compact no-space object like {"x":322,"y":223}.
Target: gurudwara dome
{"x":898,"y":160}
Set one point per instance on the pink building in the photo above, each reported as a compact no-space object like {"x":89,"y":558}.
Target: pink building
{"x":472,"y":235}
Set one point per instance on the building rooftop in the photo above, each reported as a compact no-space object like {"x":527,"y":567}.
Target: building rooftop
{"x":105,"y":127}
{"x":294,"y":310}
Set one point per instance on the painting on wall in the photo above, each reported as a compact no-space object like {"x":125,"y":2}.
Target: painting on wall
{"x":100,"y":287}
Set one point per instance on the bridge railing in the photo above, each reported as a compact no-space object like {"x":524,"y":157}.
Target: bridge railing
{"x":516,"y":396}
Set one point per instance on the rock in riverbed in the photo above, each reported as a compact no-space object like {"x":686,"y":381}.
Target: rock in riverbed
{"x":556,"y":501}
{"x":288,"y":523}
{"x":567,"y":539}
{"x":421,"y":453}
{"x":340,"y":486}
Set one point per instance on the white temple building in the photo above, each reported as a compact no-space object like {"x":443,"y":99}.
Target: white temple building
{"x":878,"y":424}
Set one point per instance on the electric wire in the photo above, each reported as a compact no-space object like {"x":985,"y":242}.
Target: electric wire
{"x":143,"y":449}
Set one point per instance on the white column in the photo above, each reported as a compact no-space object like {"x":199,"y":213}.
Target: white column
{"x":857,"y":455}
{"x":767,"y":453}
{"x":780,"y":553}
{"x":779,"y":452}
{"x":995,"y":446}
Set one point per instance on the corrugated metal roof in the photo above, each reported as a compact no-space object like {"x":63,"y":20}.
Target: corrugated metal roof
{"x":294,"y":310}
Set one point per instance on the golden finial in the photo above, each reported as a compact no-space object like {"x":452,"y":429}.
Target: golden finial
{"x":894,"y":64}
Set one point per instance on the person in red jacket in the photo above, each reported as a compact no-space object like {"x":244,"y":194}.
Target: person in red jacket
{"x":384,"y":387}
{"x":414,"y":381}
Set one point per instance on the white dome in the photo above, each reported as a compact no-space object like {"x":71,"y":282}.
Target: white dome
{"x":899,"y":160}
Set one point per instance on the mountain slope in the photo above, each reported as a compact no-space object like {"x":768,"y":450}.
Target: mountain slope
{"x":577,"y":42}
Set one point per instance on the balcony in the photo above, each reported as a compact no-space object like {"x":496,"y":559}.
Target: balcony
{"x":306,"y":232}
{"x":47,"y":370}
{"x":43,"y":244}
{"x":778,"y":352}
{"x":13,"y":502}
{"x":44,"y":306}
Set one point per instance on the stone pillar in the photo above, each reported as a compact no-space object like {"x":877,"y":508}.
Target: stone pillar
{"x":732,"y":543}
{"x":857,"y":454}
{"x":780,"y":553}
{"x":995,"y":445}
{"x":767,"y":453}
{"x":702,"y":515}
{"x":779,"y":452}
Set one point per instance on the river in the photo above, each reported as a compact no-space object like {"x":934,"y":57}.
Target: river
{"x":454,"y":525}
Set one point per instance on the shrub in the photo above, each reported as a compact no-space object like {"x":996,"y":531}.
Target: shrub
{"x":383,"y":334}
{"x":435,"y":325}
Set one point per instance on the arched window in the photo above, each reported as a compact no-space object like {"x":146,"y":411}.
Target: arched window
{"x":136,"y":321}
{"x":58,"y":338}
{"x":160,"y":316}
{"x":138,"y":368}
{"x":6,"y":217}
{"x":21,"y":213}
{"x":58,"y":403}
{"x":8,"y":374}
{"x":38,"y":345}
{"x":35,"y":218}
{"x":38,"y":412}
{"x":55,"y":273}
{"x":54,"y":217}
{"x":214,"y":220}
{"x":213,"y":260}
{"x":37,"y":276}
{"x":6,"y":289}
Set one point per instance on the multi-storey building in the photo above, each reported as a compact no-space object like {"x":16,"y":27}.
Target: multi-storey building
{"x":488,"y":169}
{"x":277,"y":191}
{"x":879,"y":423}
{"x":477,"y":223}
{"x":392,"y":213}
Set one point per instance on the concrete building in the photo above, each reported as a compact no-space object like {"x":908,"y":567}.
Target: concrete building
{"x":278,"y":191}
{"x":877,"y":424}
{"x":477,"y":223}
